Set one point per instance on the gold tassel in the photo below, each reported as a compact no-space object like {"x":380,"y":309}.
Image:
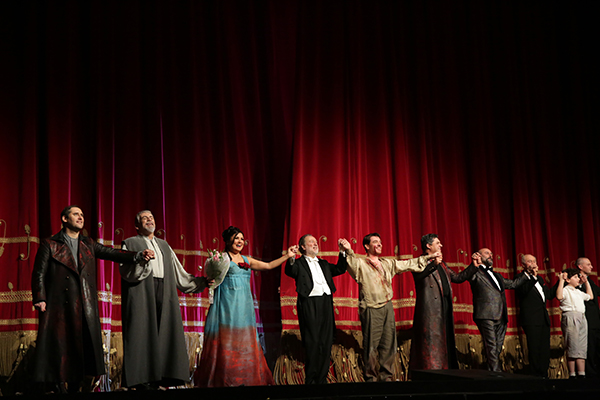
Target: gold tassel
{"x":193,"y":342}
{"x":14,"y":346}
{"x":116,"y":359}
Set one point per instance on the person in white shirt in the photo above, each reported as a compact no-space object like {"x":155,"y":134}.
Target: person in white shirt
{"x":573,"y":322}
{"x":315,"y":288}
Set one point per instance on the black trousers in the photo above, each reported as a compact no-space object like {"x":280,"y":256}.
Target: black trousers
{"x":317,"y":328}
{"x":592,"y":362}
{"x":492,"y":334}
{"x":538,"y":345}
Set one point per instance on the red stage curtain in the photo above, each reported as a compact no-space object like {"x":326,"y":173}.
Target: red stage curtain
{"x":473,"y":120}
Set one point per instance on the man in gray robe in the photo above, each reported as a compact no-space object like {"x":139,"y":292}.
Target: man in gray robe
{"x":155,"y":353}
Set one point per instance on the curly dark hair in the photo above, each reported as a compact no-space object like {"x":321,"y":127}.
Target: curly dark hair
{"x":228,"y":235}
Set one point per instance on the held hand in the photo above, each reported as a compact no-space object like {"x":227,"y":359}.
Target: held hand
{"x":344,"y":244}
{"x":438,"y":260}
{"x":210,"y":282}
{"x":434,"y":255}
{"x":40,"y":306}
{"x":476,"y":259}
{"x":535,"y":270}
{"x":148,"y":254}
{"x":292,"y":251}
{"x":562,"y":276}
{"x":584,"y":278}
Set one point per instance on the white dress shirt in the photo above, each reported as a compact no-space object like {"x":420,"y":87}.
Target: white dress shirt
{"x":320,"y":286}
{"x":537,"y":285}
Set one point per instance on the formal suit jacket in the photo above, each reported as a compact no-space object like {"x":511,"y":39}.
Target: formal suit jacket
{"x":592,"y":311}
{"x":489,"y":301}
{"x":532,"y":308}
{"x":300,"y":271}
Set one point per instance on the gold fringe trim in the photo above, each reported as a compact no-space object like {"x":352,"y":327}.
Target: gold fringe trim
{"x":14,"y":346}
{"x":114,"y":342}
{"x":346,"y":356}
{"x":347,"y":363}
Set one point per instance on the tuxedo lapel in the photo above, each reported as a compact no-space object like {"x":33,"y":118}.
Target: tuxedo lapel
{"x":500,"y":281}
{"x":537,"y":292}
{"x":487,"y":279}
{"x":306,"y":267}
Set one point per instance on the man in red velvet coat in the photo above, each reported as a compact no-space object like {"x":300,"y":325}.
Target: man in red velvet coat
{"x":63,"y":283}
{"x":433,"y":344}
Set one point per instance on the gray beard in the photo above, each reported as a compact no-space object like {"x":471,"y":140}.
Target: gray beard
{"x":488,"y":262}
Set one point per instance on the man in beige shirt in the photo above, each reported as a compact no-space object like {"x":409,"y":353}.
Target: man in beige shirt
{"x":374,"y":277}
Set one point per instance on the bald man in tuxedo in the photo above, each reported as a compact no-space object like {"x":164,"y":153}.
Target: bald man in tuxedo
{"x":533,"y":316}
{"x":490,"y":312}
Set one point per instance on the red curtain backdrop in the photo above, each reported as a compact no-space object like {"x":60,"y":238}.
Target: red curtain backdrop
{"x":473,"y":120}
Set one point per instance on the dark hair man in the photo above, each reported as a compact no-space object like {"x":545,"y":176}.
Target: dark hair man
{"x":63,"y":285}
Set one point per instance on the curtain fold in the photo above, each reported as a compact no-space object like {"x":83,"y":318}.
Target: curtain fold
{"x":473,"y":120}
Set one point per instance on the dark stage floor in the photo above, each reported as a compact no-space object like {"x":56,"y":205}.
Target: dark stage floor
{"x":467,"y":384}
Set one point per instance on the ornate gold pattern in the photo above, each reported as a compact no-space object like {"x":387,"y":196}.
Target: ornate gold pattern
{"x":18,"y":321}
{"x":20,"y":239}
{"x":16,"y":297}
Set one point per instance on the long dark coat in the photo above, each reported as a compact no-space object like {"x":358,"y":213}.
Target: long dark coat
{"x":69,"y":340}
{"x":433,"y":345}
{"x":150,"y":354}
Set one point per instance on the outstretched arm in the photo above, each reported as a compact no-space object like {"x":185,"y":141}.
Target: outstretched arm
{"x":354,"y":263}
{"x":258,"y":265}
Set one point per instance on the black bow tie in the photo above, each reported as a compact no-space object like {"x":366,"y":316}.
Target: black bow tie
{"x":484,"y":268}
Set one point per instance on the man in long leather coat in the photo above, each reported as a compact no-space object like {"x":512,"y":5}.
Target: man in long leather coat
{"x":433,"y":344}
{"x":69,"y":340}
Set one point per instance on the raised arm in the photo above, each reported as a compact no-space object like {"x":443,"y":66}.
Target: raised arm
{"x":515,"y":283}
{"x":342,"y":264}
{"x":186,"y":282}
{"x":354,"y":263}
{"x":561,"y":284}
{"x":258,"y":265}
{"x":414,"y":264}
{"x":588,"y":287}
{"x":464,"y":275}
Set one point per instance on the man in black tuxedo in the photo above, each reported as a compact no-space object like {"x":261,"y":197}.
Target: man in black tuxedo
{"x":534,"y":317}
{"x":315,"y":287}
{"x":489,"y":305}
{"x":592,"y":314}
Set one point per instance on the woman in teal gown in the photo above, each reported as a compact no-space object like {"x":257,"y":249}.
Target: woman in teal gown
{"x":232,"y":354}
